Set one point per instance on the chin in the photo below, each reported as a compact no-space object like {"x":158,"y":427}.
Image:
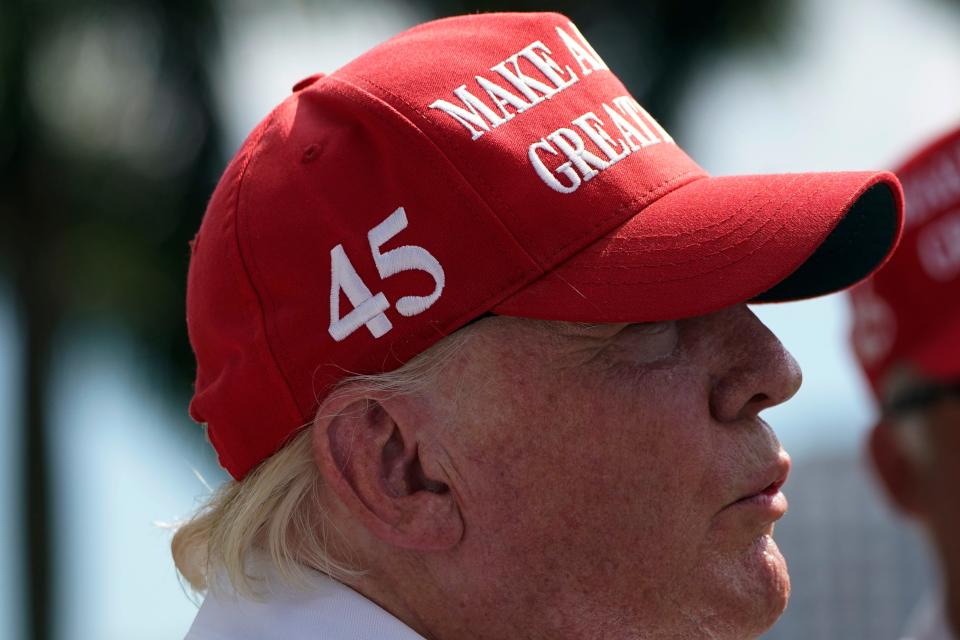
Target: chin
{"x":750,"y":590}
{"x":769,"y":583}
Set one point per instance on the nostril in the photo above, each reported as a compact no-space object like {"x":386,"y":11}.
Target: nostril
{"x":743,"y":393}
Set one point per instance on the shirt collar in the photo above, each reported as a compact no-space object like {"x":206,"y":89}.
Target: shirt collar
{"x":325,"y":609}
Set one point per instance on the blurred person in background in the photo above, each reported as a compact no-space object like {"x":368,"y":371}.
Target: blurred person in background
{"x":472,"y":341}
{"x":907,"y":337}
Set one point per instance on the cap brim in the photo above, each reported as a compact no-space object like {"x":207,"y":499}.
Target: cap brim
{"x":721,"y":241}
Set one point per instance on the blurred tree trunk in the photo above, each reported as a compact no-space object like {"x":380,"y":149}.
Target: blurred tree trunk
{"x":42,"y":203}
{"x":38,"y":315}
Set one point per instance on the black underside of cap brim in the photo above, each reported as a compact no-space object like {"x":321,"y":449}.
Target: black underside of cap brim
{"x":854,"y":249}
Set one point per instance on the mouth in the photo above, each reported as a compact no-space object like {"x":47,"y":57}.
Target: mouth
{"x":769,"y":498}
{"x":771,"y":489}
{"x":765,"y":495}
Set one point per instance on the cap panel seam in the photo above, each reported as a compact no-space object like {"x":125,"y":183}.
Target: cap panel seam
{"x":492,"y":193}
{"x":213,"y":431}
{"x":613,"y":215}
{"x":463,"y":179}
{"x":463,"y":185}
{"x":244,"y":263}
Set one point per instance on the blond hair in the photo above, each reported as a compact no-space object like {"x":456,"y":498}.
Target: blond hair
{"x":278,"y":507}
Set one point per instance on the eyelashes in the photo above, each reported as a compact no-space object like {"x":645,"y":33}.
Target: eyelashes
{"x":602,"y":331}
{"x":616,"y":345}
{"x":592,"y":330}
{"x":646,"y":343}
{"x":652,"y":328}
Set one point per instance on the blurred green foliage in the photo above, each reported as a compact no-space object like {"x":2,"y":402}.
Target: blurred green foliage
{"x":110,"y":148}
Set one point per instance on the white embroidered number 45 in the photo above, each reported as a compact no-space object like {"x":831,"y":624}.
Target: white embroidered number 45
{"x":368,"y":309}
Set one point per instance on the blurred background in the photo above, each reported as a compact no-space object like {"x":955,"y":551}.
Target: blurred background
{"x":116,"y":119}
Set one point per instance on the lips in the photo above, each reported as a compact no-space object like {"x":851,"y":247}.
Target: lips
{"x":763,"y":491}
{"x":770,"y":489}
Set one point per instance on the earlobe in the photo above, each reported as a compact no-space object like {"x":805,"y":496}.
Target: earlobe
{"x":368,"y":452}
{"x":898,"y":473}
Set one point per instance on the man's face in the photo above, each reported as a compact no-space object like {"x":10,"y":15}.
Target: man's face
{"x":604,"y":475}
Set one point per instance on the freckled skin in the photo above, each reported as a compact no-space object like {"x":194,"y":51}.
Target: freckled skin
{"x":591,"y":467}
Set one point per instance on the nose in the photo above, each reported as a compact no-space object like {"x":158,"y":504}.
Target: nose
{"x":755,"y":370}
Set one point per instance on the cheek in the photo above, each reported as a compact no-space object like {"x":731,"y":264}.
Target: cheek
{"x":600,"y":462}
{"x":622,"y":467}
{"x":655,"y":437}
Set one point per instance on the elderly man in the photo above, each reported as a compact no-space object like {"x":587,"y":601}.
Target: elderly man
{"x":907,"y":336}
{"x":472,"y":341}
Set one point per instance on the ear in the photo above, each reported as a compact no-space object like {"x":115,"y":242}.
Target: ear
{"x":366,"y":445}
{"x":897,"y":471}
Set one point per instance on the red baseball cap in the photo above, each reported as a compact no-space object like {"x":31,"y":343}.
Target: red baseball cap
{"x":909,"y":312}
{"x":485,"y":163}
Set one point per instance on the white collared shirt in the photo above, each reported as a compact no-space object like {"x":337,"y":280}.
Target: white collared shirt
{"x":929,"y":620}
{"x":328,"y":610}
